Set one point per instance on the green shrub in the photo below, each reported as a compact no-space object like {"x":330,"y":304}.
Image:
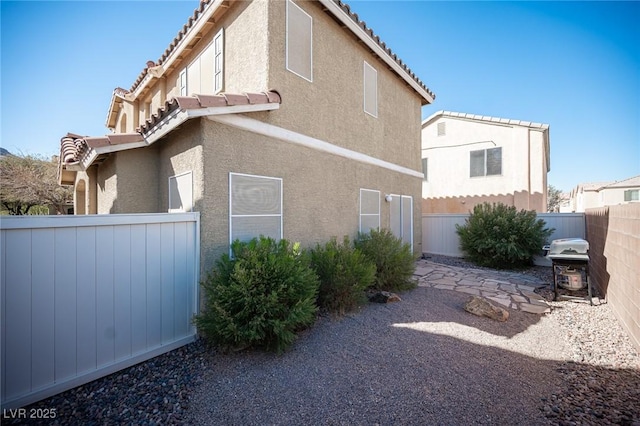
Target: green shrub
{"x":260,"y":297}
{"x":344,"y":273}
{"x":499,"y":236}
{"x":394,"y":260}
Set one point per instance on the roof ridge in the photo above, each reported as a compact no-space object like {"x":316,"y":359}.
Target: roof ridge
{"x":487,"y":118}
{"x":176,"y":40}
{"x":354,"y":16}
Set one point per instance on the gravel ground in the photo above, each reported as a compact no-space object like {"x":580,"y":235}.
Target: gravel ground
{"x":420,"y":361}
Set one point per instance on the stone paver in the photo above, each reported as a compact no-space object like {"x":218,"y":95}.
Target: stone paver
{"x":505,"y":288}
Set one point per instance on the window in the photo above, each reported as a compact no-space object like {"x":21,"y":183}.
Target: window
{"x":442,"y":129}
{"x":632,"y":195}
{"x":299,"y":40}
{"x":425,"y":169}
{"x":369,"y":210}
{"x":183,"y":82}
{"x":486,"y":162}
{"x":370,"y":90}
{"x":218,"y":62}
{"x":255,"y":204}
{"x":181,"y":193}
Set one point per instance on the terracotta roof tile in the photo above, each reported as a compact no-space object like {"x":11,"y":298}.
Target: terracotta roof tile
{"x":211,"y":101}
{"x":345,"y":7}
{"x":73,"y":147}
{"x":233,"y":99}
{"x":196,"y":14}
{"x":354,"y":16}
{"x":208,"y":101}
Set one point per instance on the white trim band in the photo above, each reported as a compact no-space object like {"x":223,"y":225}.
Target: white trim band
{"x":266,"y":129}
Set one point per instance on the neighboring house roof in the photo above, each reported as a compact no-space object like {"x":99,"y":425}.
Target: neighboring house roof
{"x":484,"y":118}
{"x":631,"y":182}
{"x":592,"y":186}
{"x":207,"y":9}
{"x":495,"y":120}
{"x":79,"y":152}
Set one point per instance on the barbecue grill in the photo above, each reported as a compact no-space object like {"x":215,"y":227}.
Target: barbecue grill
{"x":570,"y":264}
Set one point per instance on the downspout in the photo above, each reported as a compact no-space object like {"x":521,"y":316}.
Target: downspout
{"x":529,"y":169}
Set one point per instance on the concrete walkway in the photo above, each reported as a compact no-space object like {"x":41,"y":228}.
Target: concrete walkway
{"x":509,"y":289}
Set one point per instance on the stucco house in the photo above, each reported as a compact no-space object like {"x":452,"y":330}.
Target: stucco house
{"x":599,"y":194}
{"x":290,"y":119}
{"x":469,"y":159}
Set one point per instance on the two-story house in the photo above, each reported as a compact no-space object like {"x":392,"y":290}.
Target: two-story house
{"x":470,"y":159}
{"x":592,"y":195}
{"x":290,"y":119}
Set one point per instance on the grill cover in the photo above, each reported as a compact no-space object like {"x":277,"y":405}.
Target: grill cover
{"x":569,"y":248}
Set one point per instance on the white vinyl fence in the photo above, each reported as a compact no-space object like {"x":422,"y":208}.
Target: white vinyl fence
{"x":439,"y":231}
{"x":85,"y":296}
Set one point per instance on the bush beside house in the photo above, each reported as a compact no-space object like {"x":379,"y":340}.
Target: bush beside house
{"x":267,"y":291}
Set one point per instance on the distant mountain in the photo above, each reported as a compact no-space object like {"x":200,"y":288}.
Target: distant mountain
{"x":4,"y":152}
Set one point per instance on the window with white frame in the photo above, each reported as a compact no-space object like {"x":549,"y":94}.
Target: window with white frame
{"x":425,"y":169}
{"x":183,"y":82}
{"x":370,"y":90}
{"x":299,"y":41}
{"x":181,"y":193}
{"x":632,"y":195}
{"x":485,"y":162}
{"x":218,"y":61}
{"x":369,"y":210}
{"x":255,"y":206}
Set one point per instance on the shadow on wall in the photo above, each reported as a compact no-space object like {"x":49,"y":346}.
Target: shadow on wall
{"x":519,"y":199}
{"x":597,"y":228}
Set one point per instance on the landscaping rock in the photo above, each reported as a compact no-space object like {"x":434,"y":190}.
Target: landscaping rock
{"x":383,"y":297}
{"x":483,"y":308}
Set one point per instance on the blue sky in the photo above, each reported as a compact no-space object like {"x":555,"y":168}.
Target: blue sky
{"x":572,"y":65}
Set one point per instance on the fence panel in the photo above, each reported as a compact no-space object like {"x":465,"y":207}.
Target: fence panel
{"x":439,"y":232}
{"x":85,"y":296}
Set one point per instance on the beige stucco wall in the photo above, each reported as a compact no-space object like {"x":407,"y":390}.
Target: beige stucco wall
{"x":331,"y":108}
{"x":181,"y":152}
{"x":449,"y":187}
{"x":127,"y":182}
{"x":320,"y":191}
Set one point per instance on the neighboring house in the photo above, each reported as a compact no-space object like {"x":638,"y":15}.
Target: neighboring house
{"x":281,"y":118}
{"x":592,"y":195}
{"x":469,"y":159}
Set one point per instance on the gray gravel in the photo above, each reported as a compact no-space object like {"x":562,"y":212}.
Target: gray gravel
{"x":420,"y":361}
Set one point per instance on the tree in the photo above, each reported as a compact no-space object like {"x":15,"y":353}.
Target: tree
{"x":27,"y":181}
{"x":554,"y":198}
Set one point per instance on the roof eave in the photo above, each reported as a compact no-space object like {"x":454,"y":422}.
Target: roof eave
{"x":331,"y":6}
{"x":175,"y":55}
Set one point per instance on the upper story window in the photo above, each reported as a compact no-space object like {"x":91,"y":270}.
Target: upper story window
{"x":425,"y":169}
{"x":486,"y":162}
{"x":442,"y":129}
{"x":370,"y":90}
{"x":183,"y":82}
{"x":218,"y":62}
{"x":299,"y":40}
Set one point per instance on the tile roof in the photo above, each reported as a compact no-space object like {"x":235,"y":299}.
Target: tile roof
{"x":74,"y":147}
{"x":625,"y":183}
{"x":205,"y":3}
{"x":485,"y":118}
{"x":354,"y":16}
{"x":208,"y":101}
{"x":176,"y":40}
